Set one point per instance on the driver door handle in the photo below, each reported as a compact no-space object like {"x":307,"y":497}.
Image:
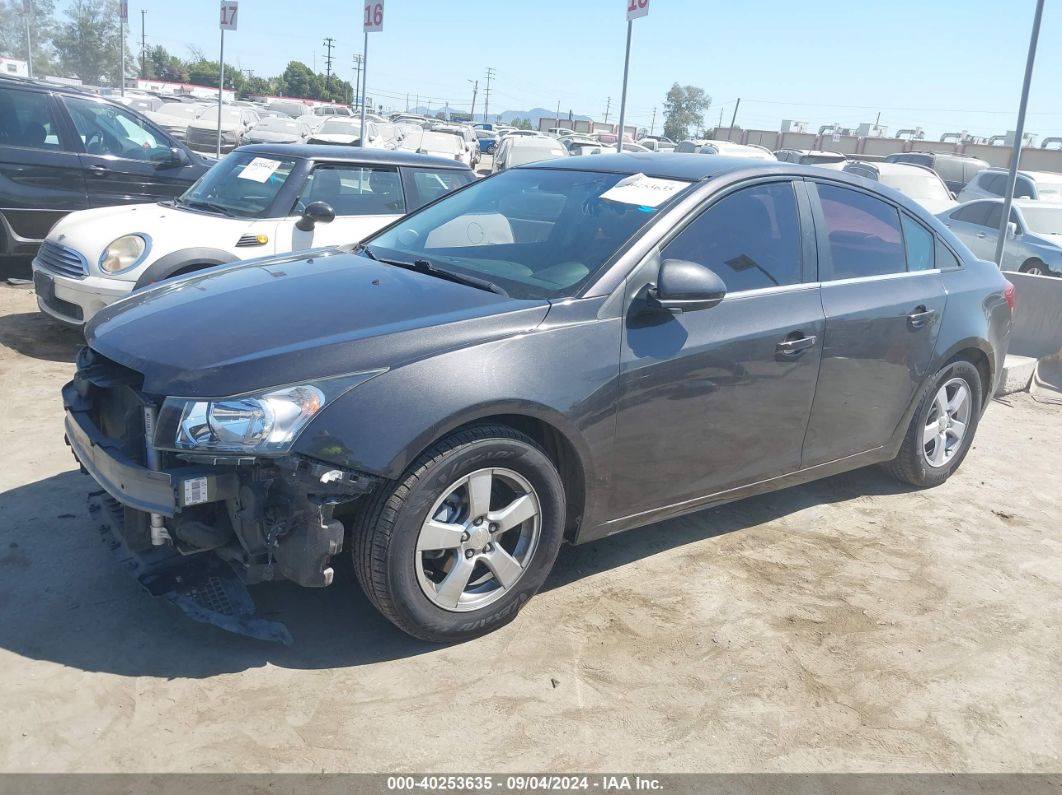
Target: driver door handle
{"x":793,"y":345}
{"x":99,"y":171}
{"x":981,"y":234}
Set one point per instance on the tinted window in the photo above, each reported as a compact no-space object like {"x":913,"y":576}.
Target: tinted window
{"x":1023,"y":188}
{"x":945,"y":260}
{"x":354,"y":190}
{"x":106,"y":129}
{"x":751,"y":238}
{"x":975,"y":213}
{"x":995,"y":215}
{"x":26,"y":120}
{"x":430,"y":185}
{"x":864,"y":234}
{"x":919,"y":244}
{"x":993,"y":183}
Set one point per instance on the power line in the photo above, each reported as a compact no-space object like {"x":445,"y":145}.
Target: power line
{"x":486,"y":94}
{"x":328,"y":43}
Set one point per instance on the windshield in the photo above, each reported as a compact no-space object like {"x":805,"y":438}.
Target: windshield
{"x":340,"y":127}
{"x":535,"y":232}
{"x":228,"y":116}
{"x":1043,"y":220}
{"x":917,"y":186}
{"x":241,"y":185}
{"x":441,"y":142}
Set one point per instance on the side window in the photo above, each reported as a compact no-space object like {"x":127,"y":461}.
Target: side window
{"x":430,"y":185}
{"x":750,"y":238}
{"x":995,"y":215}
{"x":946,"y":261}
{"x":106,"y":129}
{"x":354,"y":190}
{"x":918,"y":241}
{"x":994,"y":183}
{"x":1023,"y":188}
{"x":974,"y":213}
{"x":26,"y":119}
{"x":863,"y":232}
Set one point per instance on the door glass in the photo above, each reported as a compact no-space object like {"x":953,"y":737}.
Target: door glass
{"x":1023,"y":188}
{"x":106,"y":129}
{"x":919,"y":244}
{"x":430,"y":185}
{"x":993,"y":183}
{"x":751,"y":239}
{"x":973,"y":213}
{"x":26,"y":120}
{"x":354,"y":190}
{"x":864,"y":234}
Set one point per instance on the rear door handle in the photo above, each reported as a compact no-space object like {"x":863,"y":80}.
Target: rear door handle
{"x":98,"y":171}
{"x":791,"y":345}
{"x":981,"y":234}
{"x":921,"y":316}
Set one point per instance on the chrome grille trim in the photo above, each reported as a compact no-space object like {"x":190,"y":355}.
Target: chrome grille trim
{"x":62,"y":260}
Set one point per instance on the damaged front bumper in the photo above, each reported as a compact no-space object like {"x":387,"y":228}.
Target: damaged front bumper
{"x":197,"y":529}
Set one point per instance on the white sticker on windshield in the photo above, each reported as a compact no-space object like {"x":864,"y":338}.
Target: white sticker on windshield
{"x":260,"y":169}
{"x":643,"y":191}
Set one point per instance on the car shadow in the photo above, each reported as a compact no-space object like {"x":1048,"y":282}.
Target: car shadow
{"x":65,"y":599}
{"x":36,"y":335}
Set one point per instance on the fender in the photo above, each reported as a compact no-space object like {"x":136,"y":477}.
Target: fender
{"x":164,"y":267}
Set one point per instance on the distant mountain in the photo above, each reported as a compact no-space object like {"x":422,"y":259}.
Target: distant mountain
{"x":507,"y":116}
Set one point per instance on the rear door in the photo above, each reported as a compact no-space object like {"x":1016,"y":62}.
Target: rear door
{"x":40,"y":174}
{"x":883,"y":298}
{"x":970,"y":225}
{"x":126,"y":160}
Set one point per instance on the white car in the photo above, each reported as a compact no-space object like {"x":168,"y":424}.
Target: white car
{"x":236,"y":122}
{"x":259,"y":201}
{"x":276,"y":130}
{"x":731,"y":149}
{"x":440,"y":144}
{"x":992,"y":184}
{"x":174,"y":117}
{"x":920,"y":183}
{"x":465,"y":134}
{"x":516,"y":150}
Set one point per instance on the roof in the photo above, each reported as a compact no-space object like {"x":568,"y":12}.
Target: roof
{"x":666,"y":165}
{"x":353,"y":154}
{"x":887,"y":167}
{"x":1051,"y":176}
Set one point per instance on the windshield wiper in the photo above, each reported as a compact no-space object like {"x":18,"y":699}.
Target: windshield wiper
{"x":200,"y":205}
{"x":424,"y":266}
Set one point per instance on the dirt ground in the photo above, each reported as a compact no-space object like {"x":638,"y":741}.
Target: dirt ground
{"x":846,"y":625}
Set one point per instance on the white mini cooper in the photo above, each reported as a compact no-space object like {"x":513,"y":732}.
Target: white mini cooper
{"x":257,"y":201}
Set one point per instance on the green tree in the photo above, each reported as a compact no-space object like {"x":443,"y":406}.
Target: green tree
{"x":684,"y":107}
{"x":522,"y":124}
{"x":88,"y":43}
{"x":42,"y":29}
{"x":161,"y":65}
{"x":299,"y":80}
{"x":206,"y":73}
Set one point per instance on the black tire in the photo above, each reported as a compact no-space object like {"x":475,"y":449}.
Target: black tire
{"x":911,"y":465}
{"x":1031,"y":265}
{"x":386,"y":530}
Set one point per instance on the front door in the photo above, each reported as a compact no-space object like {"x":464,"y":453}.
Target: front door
{"x":884,"y":298}
{"x":125,"y":160}
{"x":717,"y":398}
{"x":364,"y":198}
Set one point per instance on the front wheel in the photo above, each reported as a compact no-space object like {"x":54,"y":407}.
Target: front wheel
{"x":1033,"y":267}
{"x":942,"y":428}
{"x":469,"y":533}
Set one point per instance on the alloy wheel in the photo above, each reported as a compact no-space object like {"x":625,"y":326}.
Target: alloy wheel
{"x":478,"y":539}
{"x":946,"y":425}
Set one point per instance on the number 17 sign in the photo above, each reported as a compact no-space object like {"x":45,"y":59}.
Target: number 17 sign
{"x":374,"y":13}
{"x":228,"y":14}
{"x":637,"y":8}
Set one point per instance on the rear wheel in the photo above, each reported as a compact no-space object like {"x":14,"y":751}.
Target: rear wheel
{"x":1034,"y":267}
{"x":942,"y":428}
{"x":457,"y":546}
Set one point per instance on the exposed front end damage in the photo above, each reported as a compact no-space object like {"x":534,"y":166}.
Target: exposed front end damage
{"x":194,"y":528}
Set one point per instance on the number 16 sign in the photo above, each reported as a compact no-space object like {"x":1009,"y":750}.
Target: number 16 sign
{"x":374,"y":13}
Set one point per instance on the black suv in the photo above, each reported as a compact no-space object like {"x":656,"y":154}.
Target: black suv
{"x":64,"y":149}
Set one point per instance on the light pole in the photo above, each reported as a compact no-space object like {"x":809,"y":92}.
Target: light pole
{"x":1019,"y":134}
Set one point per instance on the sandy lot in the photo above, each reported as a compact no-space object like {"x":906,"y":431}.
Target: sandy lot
{"x":847,"y":625}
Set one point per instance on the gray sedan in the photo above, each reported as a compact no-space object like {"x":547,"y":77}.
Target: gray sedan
{"x":1034,"y":238}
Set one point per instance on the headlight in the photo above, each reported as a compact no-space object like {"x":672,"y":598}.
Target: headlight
{"x":124,"y":253}
{"x":229,"y":136}
{"x":263,"y":422}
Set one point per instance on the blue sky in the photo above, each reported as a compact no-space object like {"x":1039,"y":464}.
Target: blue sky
{"x":942,"y":64}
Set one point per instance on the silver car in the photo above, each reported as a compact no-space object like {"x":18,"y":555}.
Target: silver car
{"x":1034,"y":237}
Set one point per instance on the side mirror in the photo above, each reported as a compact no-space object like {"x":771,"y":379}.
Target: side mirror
{"x":315,"y":213}
{"x":683,"y":286}
{"x":1012,"y":230}
{"x":174,"y":156}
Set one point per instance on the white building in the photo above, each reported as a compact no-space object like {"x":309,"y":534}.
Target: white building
{"x":14,"y":66}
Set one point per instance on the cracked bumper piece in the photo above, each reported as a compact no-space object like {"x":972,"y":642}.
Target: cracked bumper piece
{"x":230,"y":521}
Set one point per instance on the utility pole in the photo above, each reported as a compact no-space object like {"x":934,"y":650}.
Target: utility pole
{"x":608,"y":105}
{"x":557,"y":122}
{"x":652,"y":124}
{"x":358,"y":58}
{"x":27,"y":12}
{"x":475,"y":90}
{"x":407,"y":102}
{"x":328,"y":44}
{"x":1019,"y":134}
{"x":486,"y":94}
{"x":143,"y":45}
{"x":733,"y":119}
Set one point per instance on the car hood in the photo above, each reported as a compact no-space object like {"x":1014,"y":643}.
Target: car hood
{"x":335,"y":138}
{"x":282,"y":320}
{"x":273,"y":137}
{"x":199,"y":124}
